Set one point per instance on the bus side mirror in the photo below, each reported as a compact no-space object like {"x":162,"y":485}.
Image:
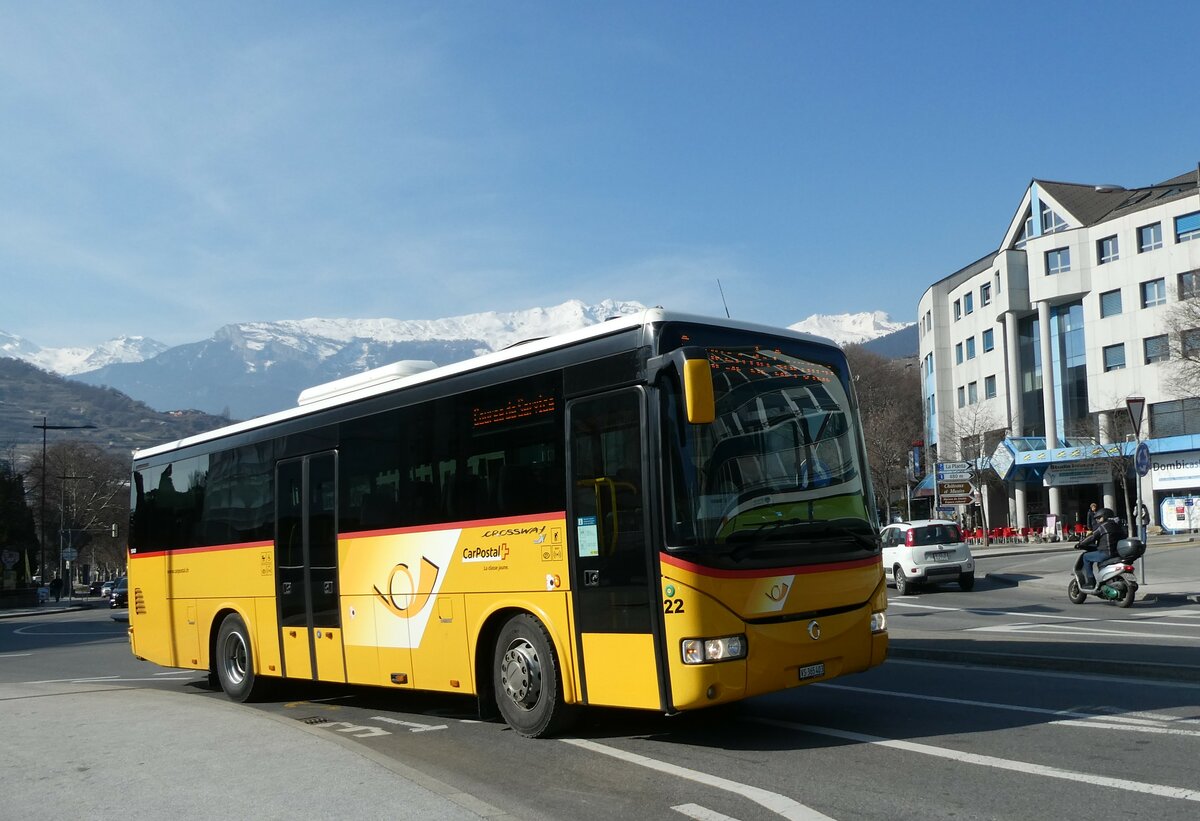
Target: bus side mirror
{"x":695,"y":374}
{"x":698,"y":391}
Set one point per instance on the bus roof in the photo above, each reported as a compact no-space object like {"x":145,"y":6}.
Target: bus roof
{"x":408,"y":373}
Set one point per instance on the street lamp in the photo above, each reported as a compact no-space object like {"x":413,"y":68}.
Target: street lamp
{"x":44,"y":427}
{"x":1136,"y":405}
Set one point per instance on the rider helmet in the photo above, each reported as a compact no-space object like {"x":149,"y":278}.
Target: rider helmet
{"x":1104,"y":514}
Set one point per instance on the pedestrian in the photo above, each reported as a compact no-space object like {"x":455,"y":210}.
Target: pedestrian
{"x":1091,"y":517}
{"x":1144,"y":521}
{"x":56,"y":588}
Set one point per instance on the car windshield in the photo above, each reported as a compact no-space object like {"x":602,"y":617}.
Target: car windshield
{"x":779,"y":474}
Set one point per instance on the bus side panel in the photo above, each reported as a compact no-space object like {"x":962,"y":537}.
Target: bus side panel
{"x":442,"y":661}
{"x":363,"y":662}
{"x":621,"y":670}
{"x":149,"y":612}
{"x":266,"y":633}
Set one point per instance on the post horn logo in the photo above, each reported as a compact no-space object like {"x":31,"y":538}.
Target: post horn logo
{"x":814,"y":630}
{"x":408,"y":603}
{"x":778,"y":592}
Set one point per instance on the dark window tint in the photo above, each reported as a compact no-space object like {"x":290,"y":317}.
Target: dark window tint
{"x":936,"y":534}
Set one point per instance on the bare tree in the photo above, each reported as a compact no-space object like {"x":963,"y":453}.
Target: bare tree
{"x":1182,"y":322}
{"x":86,"y":493}
{"x":889,"y":398}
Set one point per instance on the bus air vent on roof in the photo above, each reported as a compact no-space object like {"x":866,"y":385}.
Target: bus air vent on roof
{"x":366,"y":379}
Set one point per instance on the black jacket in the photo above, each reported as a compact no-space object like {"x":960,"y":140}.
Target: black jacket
{"x":1104,"y":537}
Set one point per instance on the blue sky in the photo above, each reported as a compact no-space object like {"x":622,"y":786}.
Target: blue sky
{"x":168,"y":168}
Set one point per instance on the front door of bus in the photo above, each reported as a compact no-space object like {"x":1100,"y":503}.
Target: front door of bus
{"x":306,"y":568}
{"x":612,"y":567}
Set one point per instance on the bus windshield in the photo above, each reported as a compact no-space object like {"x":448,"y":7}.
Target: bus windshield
{"x":779,"y":476}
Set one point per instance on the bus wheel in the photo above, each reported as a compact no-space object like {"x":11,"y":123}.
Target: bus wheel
{"x":234,"y":660}
{"x":527,"y":679}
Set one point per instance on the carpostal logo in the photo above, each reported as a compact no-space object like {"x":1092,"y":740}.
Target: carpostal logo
{"x":485,"y":554}
{"x":532,"y":530}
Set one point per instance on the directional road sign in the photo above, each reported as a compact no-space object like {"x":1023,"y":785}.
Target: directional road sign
{"x":69,"y":554}
{"x":953,"y":466}
{"x":956,"y":499}
{"x":954,"y":488}
{"x":953,"y":475}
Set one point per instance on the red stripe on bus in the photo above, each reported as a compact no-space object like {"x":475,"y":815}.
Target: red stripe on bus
{"x":765,"y":572}
{"x":206,"y":549}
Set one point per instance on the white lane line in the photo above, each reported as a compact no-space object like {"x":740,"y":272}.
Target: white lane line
{"x":774,"y":802}
{"x":1012,"y":671}
{"x":1024,"y":767}
{"x":413,"y":726}
{"x":985,"y":611}
{"x":14,"y":655}
{"x":1059,"y":629}
{"x":1130,"y":722}
{"x":701,"y":813}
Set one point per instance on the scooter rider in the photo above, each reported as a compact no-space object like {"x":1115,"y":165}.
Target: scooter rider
{"x":1104,"y":539}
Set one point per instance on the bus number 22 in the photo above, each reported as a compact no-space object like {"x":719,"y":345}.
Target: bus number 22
{"x":672,"y":605}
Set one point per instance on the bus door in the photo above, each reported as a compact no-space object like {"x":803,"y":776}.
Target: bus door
{"x":306,"y":568}
{"x":613,"y":577}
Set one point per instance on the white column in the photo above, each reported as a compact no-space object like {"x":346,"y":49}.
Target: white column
{"x":1050,"y":416}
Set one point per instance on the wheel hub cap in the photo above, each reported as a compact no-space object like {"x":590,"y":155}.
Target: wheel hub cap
{"x":521,"y":674}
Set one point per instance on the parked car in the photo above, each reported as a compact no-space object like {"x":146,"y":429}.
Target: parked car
{"x":926,"y":551}
{"x":106,"y":588}
{"x":120,"y":593}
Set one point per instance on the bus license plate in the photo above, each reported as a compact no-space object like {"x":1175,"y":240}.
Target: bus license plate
{"x":812,"y":671}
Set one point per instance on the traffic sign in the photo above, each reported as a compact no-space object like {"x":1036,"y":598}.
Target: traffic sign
{"x":69,"y":554}
{"x":956,"y":499}
{"x":1141,"y":459}
{"x":953,"y":475}
{"x":953,"y":466}
{"x":954,"y":488}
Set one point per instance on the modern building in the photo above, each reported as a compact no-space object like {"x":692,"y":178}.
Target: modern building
{"x":1029,"y":354}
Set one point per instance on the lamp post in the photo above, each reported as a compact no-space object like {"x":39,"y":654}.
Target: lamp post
{"x":42,"y":518}
{"x":1136,"y":405}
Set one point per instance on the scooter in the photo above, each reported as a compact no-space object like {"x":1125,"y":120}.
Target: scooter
{"x":1115,"y":579}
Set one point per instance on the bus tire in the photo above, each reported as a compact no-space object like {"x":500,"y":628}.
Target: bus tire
{"x":234,"y":661}
{"x":528,"y":679}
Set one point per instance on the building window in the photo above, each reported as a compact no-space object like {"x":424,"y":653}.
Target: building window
{"x":1106,"y":250}
{"x":1058,"y":261}
{"x":1189,"y":284}
{"x":1157,"y":349}
{"x":957,"y":310}
{"x":1154,"y":293}
{"x":1149,"y":237}
{"x":970,"y":347}
{"x":1110,"y":303}
{"x":997,"y":280}
{"x":1189,"y":344}
{"x":972,"y":393}
{"x":1114,"y":357}
{"x":989,"y":340}
{"x":985,"y":293}
{"x":1052,"y":223}
{"x":1180,"y":417}
{"x":989,"y":387}
{"x":968,"y":303}
{"x":929,"y":364}
{"x":1187,"y":227}
{"x":958,"y":354}
{"x":962,"y":397}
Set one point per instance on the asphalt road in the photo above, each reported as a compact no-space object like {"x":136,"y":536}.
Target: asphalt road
{"x":914,"y":739}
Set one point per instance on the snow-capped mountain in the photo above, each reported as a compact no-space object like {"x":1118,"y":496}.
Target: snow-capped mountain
{"x":846,"y":329}
{"x":253,"y":368}
{"x":71,"y":361}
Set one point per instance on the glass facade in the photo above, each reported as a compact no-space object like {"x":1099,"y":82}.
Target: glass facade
{"x":1069,"y":361}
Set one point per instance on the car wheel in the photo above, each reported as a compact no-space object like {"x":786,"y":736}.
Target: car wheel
{"x":903,"y":585}
{"x":966,"y":582}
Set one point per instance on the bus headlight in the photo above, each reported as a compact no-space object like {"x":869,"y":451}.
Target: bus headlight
{"x":878,"y":622}
{"x":706,"y":651}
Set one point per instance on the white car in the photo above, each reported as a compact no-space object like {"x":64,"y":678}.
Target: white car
{"x":926,"y":551}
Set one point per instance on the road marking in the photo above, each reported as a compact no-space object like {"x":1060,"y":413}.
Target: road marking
{"x":356,"y":730}
{"x":32,"y":630}
{"x":1012,"y":671}
{"x":701,"y":813}
{"x":1023,"y":767}
{"x":1112,"y":719}
{"x":1034,"y":628}
{"x":774,"y":802}
{"x":14,"y":655}
{"x":415,"y":727}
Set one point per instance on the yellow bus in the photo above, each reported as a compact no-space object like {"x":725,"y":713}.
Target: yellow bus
{"x":660,"y":511}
